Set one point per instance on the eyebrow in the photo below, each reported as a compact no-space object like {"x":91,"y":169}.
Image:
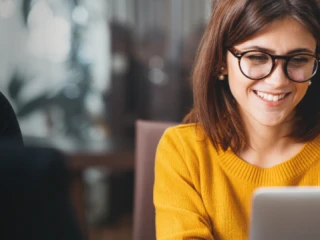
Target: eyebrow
{"x":294,"y":51}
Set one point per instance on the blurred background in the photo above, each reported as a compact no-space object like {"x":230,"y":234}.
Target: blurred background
{"x":79,"y":73}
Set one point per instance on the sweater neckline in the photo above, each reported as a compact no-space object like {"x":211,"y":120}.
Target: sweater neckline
{"x":290,"y":169}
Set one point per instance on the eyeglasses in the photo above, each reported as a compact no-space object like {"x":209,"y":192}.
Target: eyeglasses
{"x":257,"y":65}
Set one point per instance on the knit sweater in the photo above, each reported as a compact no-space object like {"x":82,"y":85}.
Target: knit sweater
{"x":204,"y":193}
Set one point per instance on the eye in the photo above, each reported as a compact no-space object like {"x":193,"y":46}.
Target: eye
{"x":301,"y":60}
{"x":257,"y":57}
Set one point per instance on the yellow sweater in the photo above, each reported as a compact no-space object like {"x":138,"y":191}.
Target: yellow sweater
{"x":202,"y":193}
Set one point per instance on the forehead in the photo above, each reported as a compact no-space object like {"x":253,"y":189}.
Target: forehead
{"x":281,"y":36}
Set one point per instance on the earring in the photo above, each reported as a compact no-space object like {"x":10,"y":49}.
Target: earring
{"x":221,"y":76}
{"x":310,"y":82}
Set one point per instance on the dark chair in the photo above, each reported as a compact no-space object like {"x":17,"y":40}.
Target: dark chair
{"x":148,"y":134}
{"x":9,"y":126}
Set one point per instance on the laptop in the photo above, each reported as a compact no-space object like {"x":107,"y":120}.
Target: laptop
{"x":280,"y":213}
{"x":35,"y":195}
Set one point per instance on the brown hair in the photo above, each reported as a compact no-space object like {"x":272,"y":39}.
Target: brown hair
{"x":231,"y":22}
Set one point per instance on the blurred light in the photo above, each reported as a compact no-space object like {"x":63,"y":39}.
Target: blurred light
{"x":94,"y":104}
{"x":85,"y":54}
{"x":51,"y":38}
{"x":158,"y":77}
{"x":80,"y":15}
{"x":59,"y":42}
{"x":120,"y":64}
{"x":7,"y":8}
{"x":95,"y":174}
{"x":96,"y":134}
{"x":40,"y":15}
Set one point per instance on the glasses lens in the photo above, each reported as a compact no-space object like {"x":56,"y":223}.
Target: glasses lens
{"x":256,"y":65}
{"x":301,"y":68}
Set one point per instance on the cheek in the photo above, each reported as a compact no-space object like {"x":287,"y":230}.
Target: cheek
{"x":233,"y":74}
{"x":238,"y":90}
{"x":232,"y":65}
{"x":302,"y":90}
{"x":238,"y":83}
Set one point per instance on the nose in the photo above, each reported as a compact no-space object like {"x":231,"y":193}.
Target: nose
{"x":278,"y":77}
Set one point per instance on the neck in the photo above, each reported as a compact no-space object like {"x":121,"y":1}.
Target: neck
{"x":264,"y":138}
{"x":268,"y":145}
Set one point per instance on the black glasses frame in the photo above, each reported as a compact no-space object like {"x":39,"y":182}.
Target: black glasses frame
{"x":286,"y":59}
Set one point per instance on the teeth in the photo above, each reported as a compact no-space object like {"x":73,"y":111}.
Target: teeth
{"x":270,"y":97}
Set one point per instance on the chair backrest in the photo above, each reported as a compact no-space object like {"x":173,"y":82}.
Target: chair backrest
{"x":148,"y":134}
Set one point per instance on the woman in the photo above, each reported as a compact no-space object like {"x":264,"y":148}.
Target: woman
{"x":255,"y":121}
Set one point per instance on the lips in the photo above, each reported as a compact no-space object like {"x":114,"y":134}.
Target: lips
{"x":271,"y":97}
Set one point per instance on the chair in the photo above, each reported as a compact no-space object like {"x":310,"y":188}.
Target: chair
{"x":148,"y":134}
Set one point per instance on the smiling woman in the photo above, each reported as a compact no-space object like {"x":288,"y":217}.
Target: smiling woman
{"x":255,"y":121}
{"x":256,"y":99}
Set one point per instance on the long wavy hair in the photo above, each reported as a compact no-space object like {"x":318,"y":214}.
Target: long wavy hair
{"x":231,"y":22}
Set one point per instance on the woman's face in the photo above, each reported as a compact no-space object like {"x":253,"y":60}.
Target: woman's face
{"x":272,"y":100}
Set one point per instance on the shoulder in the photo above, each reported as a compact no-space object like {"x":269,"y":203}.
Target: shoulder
{"x":185,"y":138}
{"x":8,"y":114}
{"x":9,"y":126}
{"x":184,"y":132}
{"x":4,"y":103}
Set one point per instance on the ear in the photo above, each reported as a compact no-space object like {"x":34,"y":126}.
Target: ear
{"x":225,"y":70}
{"x":224,"y":64}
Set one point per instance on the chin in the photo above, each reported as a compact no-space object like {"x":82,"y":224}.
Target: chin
{"x":271,"y":122}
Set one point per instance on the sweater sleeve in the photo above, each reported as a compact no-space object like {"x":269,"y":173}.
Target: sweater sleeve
{"x":180,"y":212}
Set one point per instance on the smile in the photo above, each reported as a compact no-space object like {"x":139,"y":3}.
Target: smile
{"x":271,"y":97}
